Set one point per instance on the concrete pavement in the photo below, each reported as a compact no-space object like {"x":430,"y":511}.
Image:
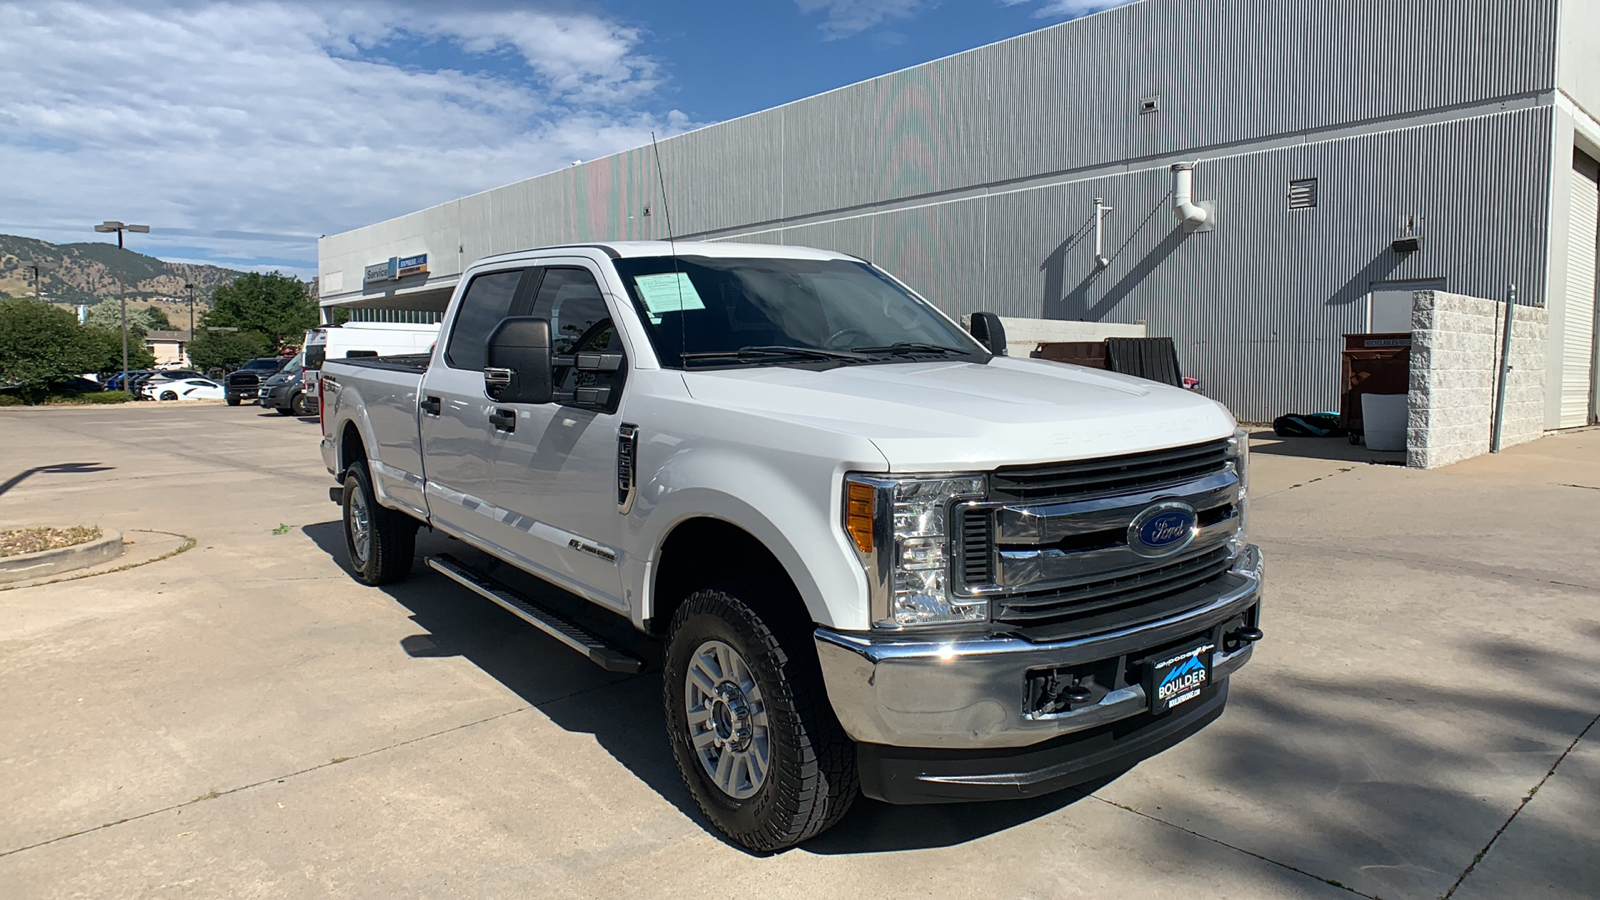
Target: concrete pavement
{"x":244,"y":719}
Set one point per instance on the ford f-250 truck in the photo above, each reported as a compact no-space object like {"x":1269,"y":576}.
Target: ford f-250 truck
{"x":883,"y":559}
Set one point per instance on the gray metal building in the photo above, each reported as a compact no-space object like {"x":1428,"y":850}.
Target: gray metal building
{"x":1321,"y":132}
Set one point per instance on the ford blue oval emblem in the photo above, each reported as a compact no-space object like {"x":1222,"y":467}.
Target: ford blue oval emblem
{"x":1163,"y":529}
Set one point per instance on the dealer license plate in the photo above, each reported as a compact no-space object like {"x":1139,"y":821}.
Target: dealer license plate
{"x":1178,"y":677}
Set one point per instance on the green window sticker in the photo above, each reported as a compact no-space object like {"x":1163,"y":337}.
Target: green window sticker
{"x":667,"y":292}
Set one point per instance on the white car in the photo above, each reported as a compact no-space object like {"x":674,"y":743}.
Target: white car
{"x":186,"y":389}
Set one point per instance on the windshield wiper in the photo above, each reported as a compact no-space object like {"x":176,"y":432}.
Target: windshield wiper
{"x":907,"y":348}
{"x":772,"y":351}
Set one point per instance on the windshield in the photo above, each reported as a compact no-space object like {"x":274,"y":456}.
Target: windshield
{"x":270,"y":365}
{"x":740,"y":311}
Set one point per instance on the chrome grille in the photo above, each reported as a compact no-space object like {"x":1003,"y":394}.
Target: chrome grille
{"x":1121,"y":590}
{"x":1108,"y":475}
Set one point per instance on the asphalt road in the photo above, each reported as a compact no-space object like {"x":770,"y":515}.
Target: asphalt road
{"x":244,"y":719}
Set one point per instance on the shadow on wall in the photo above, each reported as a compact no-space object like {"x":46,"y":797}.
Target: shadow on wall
{"x":1074,"y":304}
{"x":1360,"y":284}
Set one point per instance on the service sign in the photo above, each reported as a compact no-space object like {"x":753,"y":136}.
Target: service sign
{"x":411,"y":265}
{"x":384,"y":271}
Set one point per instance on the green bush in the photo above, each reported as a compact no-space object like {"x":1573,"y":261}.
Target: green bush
{"x":11,"y":400}
{"x":106,"y":397}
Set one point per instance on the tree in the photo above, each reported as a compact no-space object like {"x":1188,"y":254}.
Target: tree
{"x":224,"y":349}
{"x":272,"y":304}
{"x":105,"y":349}
{"x":108,"y":315}
{"x":40,"y":344}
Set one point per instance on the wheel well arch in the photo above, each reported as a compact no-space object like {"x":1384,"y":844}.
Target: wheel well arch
{"x":704,"y":551}
{"x":351,"y":448}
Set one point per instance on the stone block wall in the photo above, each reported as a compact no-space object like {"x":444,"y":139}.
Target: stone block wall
{"x":1455,"y":359}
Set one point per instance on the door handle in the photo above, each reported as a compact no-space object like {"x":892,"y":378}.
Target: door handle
{"x":430,"y":405}
{"x":504,"y":420}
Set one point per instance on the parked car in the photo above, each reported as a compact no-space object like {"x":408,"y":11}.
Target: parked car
{"x":114,"y":381}
{"x":877,"y":550}
{"x":155,"y":380}
{"x":244,"y":383}
{"x":189,"y":389}
{"x":285,"y":392}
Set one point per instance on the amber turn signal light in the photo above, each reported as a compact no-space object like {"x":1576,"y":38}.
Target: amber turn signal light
{"x":858,"y":515}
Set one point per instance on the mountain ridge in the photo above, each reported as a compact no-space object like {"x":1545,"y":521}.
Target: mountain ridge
{"x":88,"y":273}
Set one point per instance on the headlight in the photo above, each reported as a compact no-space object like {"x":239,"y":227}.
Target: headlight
{"x":900,"y":530}
{"x":1239,"y":454}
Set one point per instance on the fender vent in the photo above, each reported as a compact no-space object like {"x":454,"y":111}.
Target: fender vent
{"x":627,"y":462}
{"x":977,"y":544}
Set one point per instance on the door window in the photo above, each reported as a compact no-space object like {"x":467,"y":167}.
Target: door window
{"x":487,"y":301}
{"x":579,"y":320}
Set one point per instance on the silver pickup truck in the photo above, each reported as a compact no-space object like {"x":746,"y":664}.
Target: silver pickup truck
{"x":883,"y":557}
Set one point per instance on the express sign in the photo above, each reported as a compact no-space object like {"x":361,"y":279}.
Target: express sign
{"x":397,"y":267}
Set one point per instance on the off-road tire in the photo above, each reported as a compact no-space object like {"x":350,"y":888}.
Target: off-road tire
{"x":812,"y":778}
{"x":392,"y":536}
{"x":232,"y":399}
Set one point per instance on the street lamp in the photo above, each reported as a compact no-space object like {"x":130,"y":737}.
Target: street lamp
{"x":189,"y":286}
{"x":107,"y":227}
{"x":38,"y":266}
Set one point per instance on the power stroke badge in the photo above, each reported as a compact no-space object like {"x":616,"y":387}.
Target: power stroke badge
{"x":1178,"y":679}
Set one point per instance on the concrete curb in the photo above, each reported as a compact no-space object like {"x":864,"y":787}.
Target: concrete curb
{"x":28,"y":566}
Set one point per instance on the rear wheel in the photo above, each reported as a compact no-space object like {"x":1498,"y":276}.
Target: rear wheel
{"x":380,"y":541}
{"x":750,"y":725}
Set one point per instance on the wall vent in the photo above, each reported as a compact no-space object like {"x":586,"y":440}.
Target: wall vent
{"x":1149,"y":104}
{"x":1303,"y":194}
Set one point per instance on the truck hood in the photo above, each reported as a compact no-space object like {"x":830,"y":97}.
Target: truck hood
{"x":929,"y":416}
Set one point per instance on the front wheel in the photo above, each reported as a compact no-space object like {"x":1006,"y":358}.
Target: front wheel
{"x":283,"y":412}
{"x":380,"y":541}
{"x":298,"y":405}
{"x":233,"y":399}
{"x":750,"y":725}
{"x":169,"y":395}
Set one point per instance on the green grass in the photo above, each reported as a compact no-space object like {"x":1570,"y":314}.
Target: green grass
{"x":281,"y":529}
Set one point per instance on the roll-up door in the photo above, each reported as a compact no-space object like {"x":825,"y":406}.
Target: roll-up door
{"x":1578,"y":333}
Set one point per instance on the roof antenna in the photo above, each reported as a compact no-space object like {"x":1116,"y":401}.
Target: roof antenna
{"x":677,"y":273}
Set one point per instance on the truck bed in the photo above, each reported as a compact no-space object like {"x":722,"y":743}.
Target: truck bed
{"x":385,"y":387}
{"x":406,"y":362}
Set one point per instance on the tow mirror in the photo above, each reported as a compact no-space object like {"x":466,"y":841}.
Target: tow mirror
{"x":517,"y":361}
{"x":989,"y":332}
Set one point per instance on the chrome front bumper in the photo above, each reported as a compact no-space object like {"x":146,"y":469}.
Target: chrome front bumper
{"x":966,"y":693}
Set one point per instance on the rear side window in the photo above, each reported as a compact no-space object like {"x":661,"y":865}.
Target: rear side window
{"x":487,"y":301}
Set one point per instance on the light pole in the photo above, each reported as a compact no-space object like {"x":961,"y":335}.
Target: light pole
{"x":189,"y":286}
{"x":38,"y":266}
{"x":107,"y":227}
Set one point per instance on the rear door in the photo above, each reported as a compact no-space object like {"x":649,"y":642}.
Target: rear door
{"x":460,"y":448}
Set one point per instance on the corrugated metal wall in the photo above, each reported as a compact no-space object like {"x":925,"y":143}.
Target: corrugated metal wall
{"x":973,"y":177}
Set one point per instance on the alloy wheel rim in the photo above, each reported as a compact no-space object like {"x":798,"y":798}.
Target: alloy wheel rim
{"x":727,"y":717}
{"x":360,"y":526}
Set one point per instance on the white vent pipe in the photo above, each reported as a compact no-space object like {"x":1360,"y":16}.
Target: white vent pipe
{"x":1183,"y":205}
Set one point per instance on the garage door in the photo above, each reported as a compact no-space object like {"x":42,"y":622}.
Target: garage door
{"x":1577,"y":351}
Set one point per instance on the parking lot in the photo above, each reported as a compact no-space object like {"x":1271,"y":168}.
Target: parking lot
{"x":244,"y":719}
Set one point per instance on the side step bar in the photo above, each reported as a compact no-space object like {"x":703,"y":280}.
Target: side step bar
{"x":539,"y":616}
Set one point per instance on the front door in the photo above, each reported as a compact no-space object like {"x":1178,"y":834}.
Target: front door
{"x":557,"y":469}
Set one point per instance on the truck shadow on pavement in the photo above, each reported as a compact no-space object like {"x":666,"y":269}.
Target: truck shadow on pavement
{"x":623,"y":712}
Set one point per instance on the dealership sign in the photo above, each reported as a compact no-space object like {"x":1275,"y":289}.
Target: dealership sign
{"x":396,"y":268}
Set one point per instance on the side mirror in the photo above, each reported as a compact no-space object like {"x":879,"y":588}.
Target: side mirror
{"x":987,"y":329}
{"x":517,"y":361}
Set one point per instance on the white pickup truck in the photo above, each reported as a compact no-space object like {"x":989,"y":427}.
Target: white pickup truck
{"x":882,"y":558}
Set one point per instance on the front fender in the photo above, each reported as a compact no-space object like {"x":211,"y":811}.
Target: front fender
{"x":794,"y":511}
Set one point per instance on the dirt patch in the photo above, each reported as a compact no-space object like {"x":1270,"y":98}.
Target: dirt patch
{"x":33,"y":540}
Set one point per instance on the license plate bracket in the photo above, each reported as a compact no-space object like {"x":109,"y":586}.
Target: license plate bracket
{"x":1175,"y":678}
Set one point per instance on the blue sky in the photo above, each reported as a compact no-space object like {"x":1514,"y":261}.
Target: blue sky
{"x":242,"y":131}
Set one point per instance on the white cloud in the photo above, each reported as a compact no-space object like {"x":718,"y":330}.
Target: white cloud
{"x":1066,"y":9}
{"x":247,"y":129}
{"x":849,"y":17}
